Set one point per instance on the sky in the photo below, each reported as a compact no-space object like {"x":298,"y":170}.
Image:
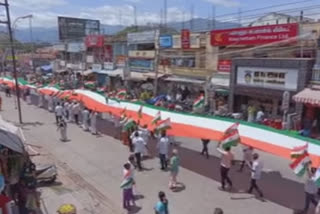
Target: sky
{"x":115,"y":12}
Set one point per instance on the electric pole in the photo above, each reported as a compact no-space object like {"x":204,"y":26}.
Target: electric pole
{"x":15,"y":74}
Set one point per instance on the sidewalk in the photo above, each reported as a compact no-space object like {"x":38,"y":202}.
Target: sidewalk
{"x":90,"y":170}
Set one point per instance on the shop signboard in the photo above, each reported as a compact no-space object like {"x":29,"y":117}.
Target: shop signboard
{"x":121,"y":61}
{"x":108,"y":66}
{"x":176,"y":41}
{"x":165,"y":41}
{"x":96,"y":67}
{"x":75,"y":47}
{"x":273,"y":78}
{"x":185,"y":39}
{"x":142,"y":54}
{"x":59,"y":47}
{"x":145,"y":37}
{"x":195,"y":40}
{"x":224,"y":65}
{"x":254,"y":35}
{"x":141,"y":65}
{"x":75,"y":28}
{"x":94,"y":41}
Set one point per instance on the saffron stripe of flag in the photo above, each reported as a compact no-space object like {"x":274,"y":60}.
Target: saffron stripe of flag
{"x":300,"y":165}
{"x":231,"y":139}
{"x":299,"y":151}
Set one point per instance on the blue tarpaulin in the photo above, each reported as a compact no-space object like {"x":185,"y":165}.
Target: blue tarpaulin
{"x":156,"y":99}
{"x":46,"y":68}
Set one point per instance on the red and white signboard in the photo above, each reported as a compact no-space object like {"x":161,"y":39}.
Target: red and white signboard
{"x":224,"y":65}
{"x":185,"y":39}
{"x":254,"y":35}
{"x":95,"y":41}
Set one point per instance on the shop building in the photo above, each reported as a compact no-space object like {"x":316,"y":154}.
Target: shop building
{"x":262,"y":82}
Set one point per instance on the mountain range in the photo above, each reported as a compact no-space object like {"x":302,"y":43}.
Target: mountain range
{"x":50,"y":35}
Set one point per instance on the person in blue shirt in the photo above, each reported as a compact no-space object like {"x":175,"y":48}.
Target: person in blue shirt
{"x":162,"y":205}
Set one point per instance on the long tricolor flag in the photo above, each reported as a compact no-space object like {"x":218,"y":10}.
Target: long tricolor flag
{"x":127,"y":181}
{"x":156,"y":118}
{"x":129,"y":123}
{"x":199,"y":102}
{"x":298,"y":151}
{"x":230,"y":139}
{"x":300,"y":165}
{"x":163,"y":125}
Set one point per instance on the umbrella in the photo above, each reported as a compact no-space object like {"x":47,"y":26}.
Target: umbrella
{"x":11,"y":136}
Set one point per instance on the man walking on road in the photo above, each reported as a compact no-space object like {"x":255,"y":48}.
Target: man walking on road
{"x":225,"y":165}
{"x":310,"y":189}
{"x":256,"y":170}
{"x":59,"y":112}
{"x":139,"y":147}
{"x":205,"y":151}
{"x":163,"y":147}
{"x":247,"y":157}
{"x":76,"y":112}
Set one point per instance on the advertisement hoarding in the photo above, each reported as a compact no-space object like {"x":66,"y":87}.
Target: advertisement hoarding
{"x":121,"y":61}
{"x":75,"y":28}
{"x":185,"y":39}
{"x":254,"y":35}
{"x":165,"y":41}
{"x":273,"y":78}
{"x":75,"y":47}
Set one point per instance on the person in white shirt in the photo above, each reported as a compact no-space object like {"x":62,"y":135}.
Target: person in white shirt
{"x":85,"y":119}
{"x":59,"y":112}
{"x":163,"y":148}
{"x":50,"y":103}
{"x":256,"y":170}
{"x":93,"y":122}
{"x":260,"y":116}
{"x":66,"y":111}
{"x":247,"y":157}
{"x":310,"y":189}
{"x":139,"y":146}
{"x":225,"y":165}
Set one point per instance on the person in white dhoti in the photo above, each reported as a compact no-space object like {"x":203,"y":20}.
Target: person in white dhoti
{"x":40,"y":104}
{"x":145,"y":134}
{"x":93,"y":122}
{"x":66,"y":111}
{"x":50,"y":103}
{"x":62,"y":127}
{"x":85,"y":119}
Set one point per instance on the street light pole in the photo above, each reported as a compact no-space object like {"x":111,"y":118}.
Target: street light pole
{"x":15,"y":74}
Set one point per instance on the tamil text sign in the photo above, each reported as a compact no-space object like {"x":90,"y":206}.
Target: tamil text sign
{"x":224,"y":65}
{"x":95,"y":41}
{"x":141,"y":65}
{"x":254,"y":35}
{"x":282,"y":79}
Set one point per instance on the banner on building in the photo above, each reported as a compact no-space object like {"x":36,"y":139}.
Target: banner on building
{"x":254,"y":35}
{"x":224,"y":65}
{"x":185,"y":39}
{"x":274,"y":78}
{"x":108,"y":66}
{"x":165,"y":41}
{"x":121,"y":61}
{"x":96,"y":67}
{"x":76,"y":47}
{"x":141,"y":65}
{"x":94,"y":41}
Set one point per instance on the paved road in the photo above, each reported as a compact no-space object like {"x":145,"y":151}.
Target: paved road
{"x":98,"y":160}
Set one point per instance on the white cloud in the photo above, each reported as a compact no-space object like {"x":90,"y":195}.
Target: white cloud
{"x":37,"y":4}
{"x":225,"y":3}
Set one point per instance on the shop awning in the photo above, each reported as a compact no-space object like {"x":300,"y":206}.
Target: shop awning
{"x":185,"y":80}
{"x":11,"y":136}
{"x":308,"y":96}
